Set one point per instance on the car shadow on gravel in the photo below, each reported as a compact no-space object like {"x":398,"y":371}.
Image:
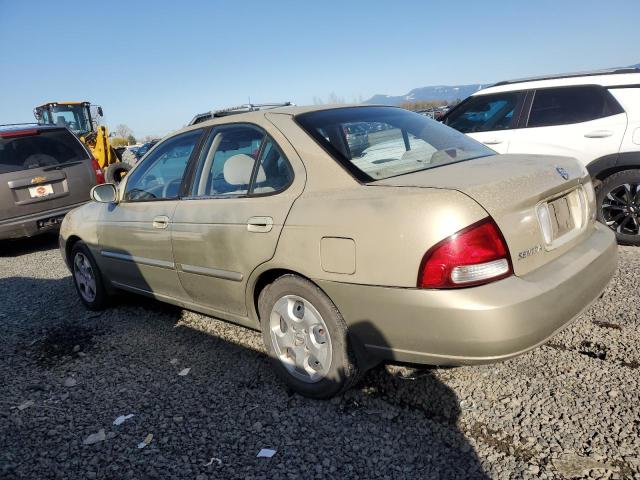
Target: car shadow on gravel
{"x":207,"y":393}
{"x":22,"y":246}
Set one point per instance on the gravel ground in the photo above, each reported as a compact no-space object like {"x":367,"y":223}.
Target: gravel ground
{"x":569,"y":409}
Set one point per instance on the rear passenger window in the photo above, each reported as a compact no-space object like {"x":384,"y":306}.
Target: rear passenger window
{"x":239,"y":159}
{"x":485,"y":113}
{"x":562,"y":106}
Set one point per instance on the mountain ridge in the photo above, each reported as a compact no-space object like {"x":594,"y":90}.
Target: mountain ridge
{"x":442,"y":93}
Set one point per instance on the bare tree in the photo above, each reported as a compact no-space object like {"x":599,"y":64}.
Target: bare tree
{"x":123,"y":131}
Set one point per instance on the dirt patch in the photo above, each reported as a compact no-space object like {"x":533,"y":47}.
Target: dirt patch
{"x":62,"y":343}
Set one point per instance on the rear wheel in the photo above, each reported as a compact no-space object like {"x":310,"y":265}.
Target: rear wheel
{"x":306,"y":338}
{"x":618,"y":201}
{"x":86,"y":278}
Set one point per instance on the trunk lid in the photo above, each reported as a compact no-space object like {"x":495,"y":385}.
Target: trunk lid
{"x":42,"y":169}
{"x":516,"y":191}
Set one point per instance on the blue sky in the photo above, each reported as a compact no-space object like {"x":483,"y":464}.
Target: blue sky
{"x":153,"y":65}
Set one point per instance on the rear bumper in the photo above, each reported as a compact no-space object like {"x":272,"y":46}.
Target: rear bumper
{"x":479,"y":324}
{"x":27,"y":226}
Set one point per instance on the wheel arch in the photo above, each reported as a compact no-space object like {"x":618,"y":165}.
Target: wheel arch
{"x":606,"y":166}
{"x":264,"y":278}
{"x":70,"y":242}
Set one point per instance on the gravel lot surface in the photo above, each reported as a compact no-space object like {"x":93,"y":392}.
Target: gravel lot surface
{"x":569,"y":409}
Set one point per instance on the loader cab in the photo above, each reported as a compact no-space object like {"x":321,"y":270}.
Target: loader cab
{"x":79,"y":117}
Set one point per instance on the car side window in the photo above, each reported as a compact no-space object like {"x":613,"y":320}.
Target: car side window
{"x":160,"y":175}
{"x":227,"y":164}
{"x":274,"y":173}
{"x":485,"y":113}
{"x":567,"y":105}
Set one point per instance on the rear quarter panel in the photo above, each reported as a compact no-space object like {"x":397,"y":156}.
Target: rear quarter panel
{"x":392,"y":228}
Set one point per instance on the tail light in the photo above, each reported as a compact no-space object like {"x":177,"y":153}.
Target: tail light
{"x":475,"y":255}
{"x":98,"y":171}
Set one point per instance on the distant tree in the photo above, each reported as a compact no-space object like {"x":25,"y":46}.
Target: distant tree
{"x":131,"y":139}
{"x":119,"y":142}
{"x":123,"y":131}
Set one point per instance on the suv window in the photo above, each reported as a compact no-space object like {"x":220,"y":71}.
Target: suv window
{"x":160,"y":174}
{"x":38,"y":148}
{"x":566,"y":105}
{"x":484,"y":113}
{"x":227,"y":164}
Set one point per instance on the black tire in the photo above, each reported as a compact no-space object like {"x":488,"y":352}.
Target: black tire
{"x":116,"y":172}
{"x":344,"y":371}
{"x":624,"y":213}
{"x":99,"y":301}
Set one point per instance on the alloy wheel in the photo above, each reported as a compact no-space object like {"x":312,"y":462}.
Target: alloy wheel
{"x":621,"y":209}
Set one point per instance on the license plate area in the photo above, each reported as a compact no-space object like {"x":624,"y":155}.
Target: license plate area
{"x":562,"y":221}
{"x":41,"y":191}
{"x":563,"y":217}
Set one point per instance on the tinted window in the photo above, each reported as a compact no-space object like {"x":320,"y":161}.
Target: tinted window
{"x":227,"y":164}
{"x":561,"y":106}
{"x":41,"y":148}
{"x":484,"y":113}
{"x":407,"y":141}
{"x":160,"y":174}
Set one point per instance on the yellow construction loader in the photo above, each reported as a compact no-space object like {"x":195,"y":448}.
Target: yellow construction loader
{"x":82,"y":119}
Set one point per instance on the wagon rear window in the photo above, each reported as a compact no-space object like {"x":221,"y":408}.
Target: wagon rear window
{"x":38,"y":148}
{"x":381,"y":142}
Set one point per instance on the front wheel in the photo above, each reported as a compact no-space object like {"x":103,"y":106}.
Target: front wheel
{"x":306,"y":338}
{"x":86,"y":278}
{"x":618,"y":202}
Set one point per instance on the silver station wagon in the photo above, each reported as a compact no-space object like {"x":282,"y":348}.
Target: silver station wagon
{"x":421,"y":245}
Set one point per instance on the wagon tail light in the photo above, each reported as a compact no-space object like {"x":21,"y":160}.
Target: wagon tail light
{"x":475,"y":255}
{"x":98,"y":171}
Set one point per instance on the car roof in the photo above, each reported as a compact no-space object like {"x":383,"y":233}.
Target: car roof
{"x":260,"y":114}
{"x":606,"y":78}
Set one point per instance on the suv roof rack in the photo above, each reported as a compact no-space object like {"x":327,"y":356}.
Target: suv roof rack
{"x":247,"y":107}
{"x":591,"y":73}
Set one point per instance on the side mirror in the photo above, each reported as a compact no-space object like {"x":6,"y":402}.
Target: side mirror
{"x":100,"y":112}
{"x":104,"y":193}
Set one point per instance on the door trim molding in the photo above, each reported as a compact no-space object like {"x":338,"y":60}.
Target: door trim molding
{"x":211,"y":272}
{"x":140,"y":260}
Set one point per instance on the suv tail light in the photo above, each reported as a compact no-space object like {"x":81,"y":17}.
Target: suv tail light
{"x":98,"y":171}
{"x":475,"y":255}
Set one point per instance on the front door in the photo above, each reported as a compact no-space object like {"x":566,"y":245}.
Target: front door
{"x":135,"y":234}
{"x":242,"y":191}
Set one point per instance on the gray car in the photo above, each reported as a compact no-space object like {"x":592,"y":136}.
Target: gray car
{"x":44,"y":173}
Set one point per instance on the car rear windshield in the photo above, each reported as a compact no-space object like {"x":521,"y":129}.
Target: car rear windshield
{"x":38,"y":148}
{"x":396,"y":141}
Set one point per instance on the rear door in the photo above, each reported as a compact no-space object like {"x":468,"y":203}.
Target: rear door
{"x":490,"y":119}
{"x":42,"y":169}
{"x":241,"y":195}
{"x":584,"y":122}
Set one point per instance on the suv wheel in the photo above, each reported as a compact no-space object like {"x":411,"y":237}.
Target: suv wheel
{"x":306,"y":338}
{"x":87,"y":278}
{"x":618,"y":202}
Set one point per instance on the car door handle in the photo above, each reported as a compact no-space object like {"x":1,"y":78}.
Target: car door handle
{"x":493,"y":141}
{"x":599,"y":134}
{"x":161,"y":222}
{"x":260,"y":224}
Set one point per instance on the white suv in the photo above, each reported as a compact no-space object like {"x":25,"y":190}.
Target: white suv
{"x":594,"y":117}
